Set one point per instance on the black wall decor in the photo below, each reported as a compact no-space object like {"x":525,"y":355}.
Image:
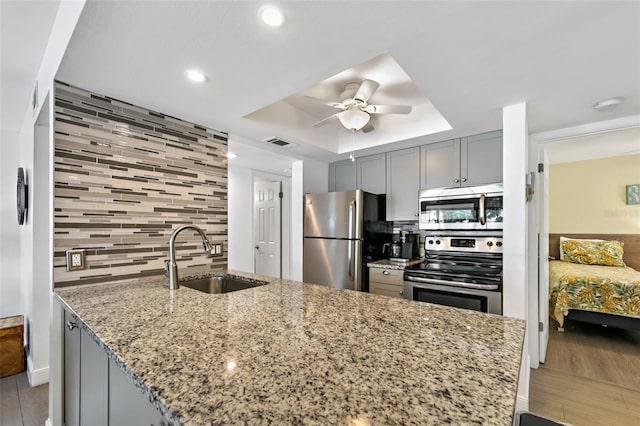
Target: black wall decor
{"x":22,"y":196}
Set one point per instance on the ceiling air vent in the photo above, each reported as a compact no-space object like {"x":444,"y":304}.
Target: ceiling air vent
{"x":279,"y":142}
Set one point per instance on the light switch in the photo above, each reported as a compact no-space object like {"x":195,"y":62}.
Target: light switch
{"x":75,"y":260}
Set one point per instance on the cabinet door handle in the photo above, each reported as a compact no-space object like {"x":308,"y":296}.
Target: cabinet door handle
{"x":456,"y":180}
{"x":464,"y":179}
{"x":385,"y":272}
{"x":417,"y":214}
{"x":402,"y":293}
{"x":71,"y":325}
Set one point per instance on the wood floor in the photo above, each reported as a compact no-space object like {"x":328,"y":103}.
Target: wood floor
{"x":591,"y":376}
{"x":21,"y":404}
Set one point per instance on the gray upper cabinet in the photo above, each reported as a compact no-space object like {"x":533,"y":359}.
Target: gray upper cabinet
{"x":469,"y":161}
{"x":403,"y":177}
{"x":366,"y":173}
{"x":481,"y":158}
{"x":370,"y":172}
{"x":342,"y":176}
{"x":440,"y":164}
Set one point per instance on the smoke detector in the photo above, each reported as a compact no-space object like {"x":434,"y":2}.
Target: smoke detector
{"x":607,"y":104}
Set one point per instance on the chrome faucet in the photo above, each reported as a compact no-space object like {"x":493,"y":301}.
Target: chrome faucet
{"x":171,"y":265}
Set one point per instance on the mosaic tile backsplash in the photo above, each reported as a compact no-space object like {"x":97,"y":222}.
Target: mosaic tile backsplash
{"x":125,"y":177}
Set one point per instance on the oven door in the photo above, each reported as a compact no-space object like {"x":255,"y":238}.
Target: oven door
{"x":476,"y":212}
{"x":457,"y":297}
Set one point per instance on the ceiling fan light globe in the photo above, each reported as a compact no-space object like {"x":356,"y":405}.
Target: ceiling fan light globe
{"x":353,"y":118}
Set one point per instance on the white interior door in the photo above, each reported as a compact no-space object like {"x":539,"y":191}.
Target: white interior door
{"x":267,"y":204}
{"x":543,"y":267}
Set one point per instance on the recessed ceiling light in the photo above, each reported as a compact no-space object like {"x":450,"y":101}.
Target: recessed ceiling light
{"x":195,"y":75}
{"x":607,"y":104}
{"x":271,"y":16}
{"x":231,"y":155}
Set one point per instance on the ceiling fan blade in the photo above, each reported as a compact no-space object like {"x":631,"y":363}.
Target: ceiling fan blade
{"x":327,"y":120}
{"x":368,"y":127}
{"x":366,"y":90}
{"x":325,"y":102}
{"x":388,"y":109}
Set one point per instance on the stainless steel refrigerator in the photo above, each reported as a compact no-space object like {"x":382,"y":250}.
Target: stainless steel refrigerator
{"x":343,"y":231}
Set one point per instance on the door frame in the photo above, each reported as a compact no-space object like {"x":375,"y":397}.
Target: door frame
{"x":539,"y":308}
{"x":285,"y":218}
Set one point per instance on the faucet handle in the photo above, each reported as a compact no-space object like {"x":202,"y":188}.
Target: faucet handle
{"x":166,"y":267}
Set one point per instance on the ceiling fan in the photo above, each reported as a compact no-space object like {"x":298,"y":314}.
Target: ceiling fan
{"x":355,"y":108}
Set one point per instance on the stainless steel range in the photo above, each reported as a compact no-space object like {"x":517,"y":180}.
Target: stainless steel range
{"x":460,"y":270}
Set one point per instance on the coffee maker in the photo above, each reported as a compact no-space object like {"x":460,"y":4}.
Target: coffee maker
{"x":410,"y":245}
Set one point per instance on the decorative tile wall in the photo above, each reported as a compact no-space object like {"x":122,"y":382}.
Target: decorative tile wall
{"x":125,"y":177}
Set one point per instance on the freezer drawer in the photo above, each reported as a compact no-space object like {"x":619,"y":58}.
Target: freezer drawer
{"x":334,"y":263}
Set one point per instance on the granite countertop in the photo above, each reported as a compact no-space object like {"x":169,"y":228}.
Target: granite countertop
{"x":288,"y":352}
{"x":388,"y":264}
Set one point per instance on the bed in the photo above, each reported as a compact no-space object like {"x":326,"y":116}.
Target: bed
{"x":601,"y":289}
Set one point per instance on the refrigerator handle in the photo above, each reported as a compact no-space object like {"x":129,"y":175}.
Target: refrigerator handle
{"x":352,"y":216}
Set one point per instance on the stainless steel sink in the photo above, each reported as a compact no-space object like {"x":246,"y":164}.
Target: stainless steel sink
{"x":218,"y":285}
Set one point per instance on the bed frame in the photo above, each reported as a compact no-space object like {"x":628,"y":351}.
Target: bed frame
{"x":631,"y":259}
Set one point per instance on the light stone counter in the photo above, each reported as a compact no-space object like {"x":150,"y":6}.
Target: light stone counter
{"x":293,"y":353}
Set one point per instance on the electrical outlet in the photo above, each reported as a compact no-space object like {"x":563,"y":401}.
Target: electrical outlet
{"x":75,"y":260}
{"x":217,"y":249}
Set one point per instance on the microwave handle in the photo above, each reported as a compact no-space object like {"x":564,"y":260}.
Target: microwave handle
{"x":483,"y":220}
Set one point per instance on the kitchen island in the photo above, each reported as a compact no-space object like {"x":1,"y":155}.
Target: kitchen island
{"x":288,"y":352}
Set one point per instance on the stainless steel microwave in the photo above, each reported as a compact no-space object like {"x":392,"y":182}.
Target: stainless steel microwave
{"x":471,"y":208}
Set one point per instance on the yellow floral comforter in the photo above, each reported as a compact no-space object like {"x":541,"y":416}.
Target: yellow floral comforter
{"x":610,"y":289}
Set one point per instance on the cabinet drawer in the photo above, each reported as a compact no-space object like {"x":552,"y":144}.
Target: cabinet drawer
{"x":391,"y":290}
{"x":389,"y":276}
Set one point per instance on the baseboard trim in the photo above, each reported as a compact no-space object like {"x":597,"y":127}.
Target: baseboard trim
{"x":37,"y":377}
{"x":522,"y":403}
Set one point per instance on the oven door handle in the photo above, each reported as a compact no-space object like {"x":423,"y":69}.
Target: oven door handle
{"x":483,"y":220}
{"x":452,"y":283}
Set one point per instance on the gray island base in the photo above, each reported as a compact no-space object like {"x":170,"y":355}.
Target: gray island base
{"x":293,"y":353}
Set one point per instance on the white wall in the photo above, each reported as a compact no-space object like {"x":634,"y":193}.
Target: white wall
{"x":38,"y":308}
{"x":240,"y":250}
{"x":297,"y":214}
{"x":10,"y":299}
{"x":515,"y":257}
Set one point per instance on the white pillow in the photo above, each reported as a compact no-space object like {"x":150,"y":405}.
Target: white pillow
{"x":569,"y":239}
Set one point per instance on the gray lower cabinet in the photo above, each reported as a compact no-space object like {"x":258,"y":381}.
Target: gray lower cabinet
{"x":403,"y":178}
{"x":71,"y":370}
{"x":386,"y":282}
{"x":94,"y":382}
{"x":366,"y":173}
{"x":127,"y":404}
{"x":469,"y":161}
{"x":96,"y":391}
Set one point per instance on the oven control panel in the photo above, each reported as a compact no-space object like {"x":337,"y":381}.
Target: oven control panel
{"x":465,"y":244}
